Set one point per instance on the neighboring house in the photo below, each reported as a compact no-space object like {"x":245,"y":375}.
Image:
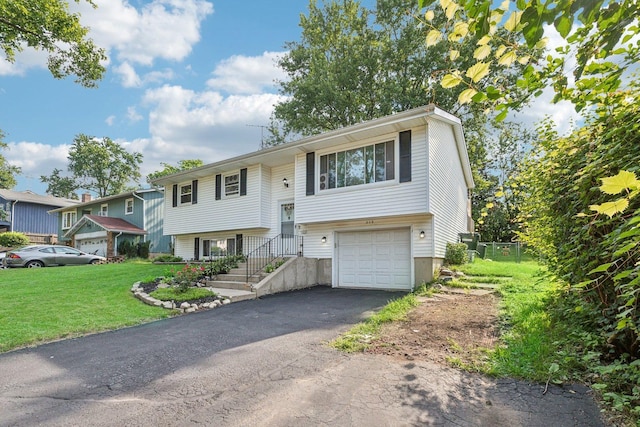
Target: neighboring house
{"x":100,"y":225}
{"x":375,"y":203}
{"x":28,"y":213}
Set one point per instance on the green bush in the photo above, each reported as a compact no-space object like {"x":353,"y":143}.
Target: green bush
{"x":167,"y":258}
{"x":456,"y":254}
{"x":13,"y":239}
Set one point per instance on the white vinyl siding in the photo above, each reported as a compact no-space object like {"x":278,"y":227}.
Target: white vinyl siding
{"x":280,"y":194}
{"x":448,"y":189}
{"x":210,"y":215}
{"x":379,"y":199}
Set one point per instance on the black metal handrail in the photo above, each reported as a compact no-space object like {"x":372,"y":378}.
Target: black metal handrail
{"x":281,"y":246}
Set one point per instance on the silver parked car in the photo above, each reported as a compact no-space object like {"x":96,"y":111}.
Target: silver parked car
{"x":48,"y":255}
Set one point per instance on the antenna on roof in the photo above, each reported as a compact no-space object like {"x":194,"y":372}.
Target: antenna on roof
{"x":262,"y":128}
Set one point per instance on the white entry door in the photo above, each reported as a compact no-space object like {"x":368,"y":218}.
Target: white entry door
{"x":374,"y":259}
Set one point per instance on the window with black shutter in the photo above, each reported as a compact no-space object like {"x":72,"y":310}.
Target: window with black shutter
{"x":218,"y":187}
{"x":175,"y":195}
{"x":405,"y":156}
{"x":311,"y":170}
{"x":243,"y":182}
{"x":194,"y":191}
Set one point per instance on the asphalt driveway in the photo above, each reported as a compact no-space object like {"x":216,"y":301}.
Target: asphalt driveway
{"x":263,"y":363}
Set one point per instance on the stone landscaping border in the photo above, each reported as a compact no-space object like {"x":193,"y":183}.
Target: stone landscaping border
{"x":185,"y":307}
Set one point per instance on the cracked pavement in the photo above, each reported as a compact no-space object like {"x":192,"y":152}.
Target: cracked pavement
{"x":264,"y":363}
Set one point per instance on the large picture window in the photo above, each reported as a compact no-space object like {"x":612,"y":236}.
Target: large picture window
{"x":363,"y":165}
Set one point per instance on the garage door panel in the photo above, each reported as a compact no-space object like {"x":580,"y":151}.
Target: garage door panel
{"x":375,"y":259}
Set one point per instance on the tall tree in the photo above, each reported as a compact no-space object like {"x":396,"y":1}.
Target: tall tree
{"x":170,"y":169}
{"x":60,"y":186}
{"x":7,"y":172}
{"x":99,"y":165}
{"x":48,"y":25}
{"x":354,"y":64}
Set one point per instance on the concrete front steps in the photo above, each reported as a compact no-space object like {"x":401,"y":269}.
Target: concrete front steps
{"x":234,"y":285}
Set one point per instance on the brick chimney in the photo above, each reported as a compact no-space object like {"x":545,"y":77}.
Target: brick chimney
{"x":86,"y":197}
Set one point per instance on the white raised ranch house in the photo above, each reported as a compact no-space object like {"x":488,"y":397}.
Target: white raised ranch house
{"x":373,"y":205}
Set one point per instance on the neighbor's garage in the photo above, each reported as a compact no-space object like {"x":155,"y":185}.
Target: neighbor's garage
{"x":374,"y":259}
{"x":96,"y":246}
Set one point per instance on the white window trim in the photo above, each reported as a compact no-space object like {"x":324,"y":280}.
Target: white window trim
{"x":180,"y":187}
{"x":103,"y":211}
{"x":224,"y":185}
{"x":396,"y":155}
{"x":72,"y":221}
{"x":126,"y":206}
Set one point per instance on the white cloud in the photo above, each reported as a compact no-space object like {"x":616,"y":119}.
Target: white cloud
{"x":128,"y":75}
{"x":244,"y":74}
{"x":165,"y":29}
{"x":32,"y":157}
{"x":110,"y":120}
{"x":133,"y":115}
{"x":206,"y":122}
{"x":160,"y":29}
{"x":25,"y":60}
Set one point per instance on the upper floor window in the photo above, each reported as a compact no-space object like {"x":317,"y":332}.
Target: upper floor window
{"x":128,"y":206}
{"x":104,"y":210}
{"x":185,"y":194}
{"x":363,"y":165}
{"x":232,"y":185}
{"x":68,"y":219}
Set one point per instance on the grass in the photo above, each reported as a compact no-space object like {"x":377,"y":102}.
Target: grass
{"x":360,"y":336}
{"x":46,"y":304}
{"x":174,"y":294}
{"x":528,"y":349}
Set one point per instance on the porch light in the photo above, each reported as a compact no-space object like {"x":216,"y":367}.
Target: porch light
{"x":323,"y":240}
{"x":422,"y":234}
{"x":285,"y":182}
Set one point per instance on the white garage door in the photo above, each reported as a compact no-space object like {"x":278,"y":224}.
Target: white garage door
{"x":375,"y":259}
{"x":93,"y":246}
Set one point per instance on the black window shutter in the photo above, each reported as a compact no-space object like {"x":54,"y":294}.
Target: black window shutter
{"x":175,"y":195}
{"x":311,"y":172}
{"x":196,"y":248}
{"x":405,"y":156}
{"x":390,"y":159}
{"x":194,"y":191}
{"x":218,"y":187}
{"x":243,"y":182}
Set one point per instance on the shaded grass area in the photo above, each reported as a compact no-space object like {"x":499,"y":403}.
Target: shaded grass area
{"x":46,"y":304}
{"x":528,"y":349}
{"x":360,"y":336}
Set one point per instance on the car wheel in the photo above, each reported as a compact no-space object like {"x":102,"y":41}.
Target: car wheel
{"x":34,"y":264}
{"x":95,"y":261}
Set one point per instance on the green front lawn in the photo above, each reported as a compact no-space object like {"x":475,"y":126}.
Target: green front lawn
{"x":46,"y":304}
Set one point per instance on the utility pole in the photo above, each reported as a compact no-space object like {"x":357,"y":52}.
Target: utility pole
{"x":262,"y":128}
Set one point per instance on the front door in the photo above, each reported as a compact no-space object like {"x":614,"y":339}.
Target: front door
{"x":287,"y":228}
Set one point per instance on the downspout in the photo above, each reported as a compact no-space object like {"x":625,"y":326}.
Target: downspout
{"x":13,"y":213}
{"x":144,"y":213}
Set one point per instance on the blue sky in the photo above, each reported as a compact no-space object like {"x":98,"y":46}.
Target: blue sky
{"x":184,"y":79}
